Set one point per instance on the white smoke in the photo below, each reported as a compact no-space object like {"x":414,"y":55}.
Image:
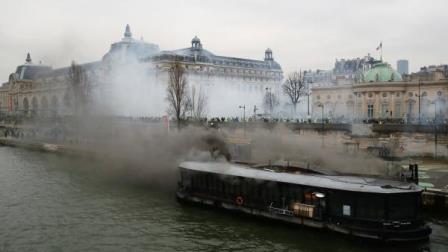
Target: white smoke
{"x":138,"y":90}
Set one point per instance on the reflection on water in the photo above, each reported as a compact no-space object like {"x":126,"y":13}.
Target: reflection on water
{"x":50,"y":202}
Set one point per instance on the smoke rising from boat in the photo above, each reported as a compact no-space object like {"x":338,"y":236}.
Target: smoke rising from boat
{"x":142,"y":150}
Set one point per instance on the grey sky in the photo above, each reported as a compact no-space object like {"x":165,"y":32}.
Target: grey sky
{"x":302,"y":34}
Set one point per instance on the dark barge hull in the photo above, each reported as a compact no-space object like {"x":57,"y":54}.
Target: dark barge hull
{"x":413,"y":235}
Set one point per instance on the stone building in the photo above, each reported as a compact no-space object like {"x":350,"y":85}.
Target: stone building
{"x":383,"y":93}
{"x":42,"y":90}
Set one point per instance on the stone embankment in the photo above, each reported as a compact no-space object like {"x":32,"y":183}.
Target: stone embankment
{"x":47,"y":147}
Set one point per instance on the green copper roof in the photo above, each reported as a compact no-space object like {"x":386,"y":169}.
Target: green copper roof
{"x":381,"y":72}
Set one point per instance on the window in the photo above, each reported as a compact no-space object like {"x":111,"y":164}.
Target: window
{"x":346,"y":210}
{"x":370,"y":207}
{"x":384,"y":110}
{"x":410,"y":107}
{"x":359,"y":109}
{"x":397,"y":112}
{"x":424,"y":94}
{"x":384,"y":94}
{"x":439,"y":93}
{"x":398,"y":94}
{"x":318,"y":97}
{"x":410,"y":94}
{"x":402,"y":206}
{"x":370,"y":111}
{"x":370,"y":95}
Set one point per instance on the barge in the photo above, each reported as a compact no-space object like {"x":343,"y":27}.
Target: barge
{"x":358,"y":206}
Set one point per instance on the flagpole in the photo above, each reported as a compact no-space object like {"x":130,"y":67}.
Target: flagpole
{"x":381,"y":55}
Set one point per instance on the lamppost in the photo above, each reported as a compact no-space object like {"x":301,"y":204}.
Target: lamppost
{"x":308,"y":93}
{"x":322,"y":122}
{"x":322,"y":117}
{"x":244,"y":117}
{"x":419,"y":103}
{"x":255,"y":112}
{"x":435,"y":129}
{"x":269,"y":93}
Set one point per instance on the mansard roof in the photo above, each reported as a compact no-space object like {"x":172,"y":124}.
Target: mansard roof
{"x":204,"y":56}
{"x":29,"y":70}
{"x":63,"y":71}
{"x":189,"y":52}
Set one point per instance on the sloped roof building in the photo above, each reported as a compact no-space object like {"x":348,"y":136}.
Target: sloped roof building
{"x":31,"y":87}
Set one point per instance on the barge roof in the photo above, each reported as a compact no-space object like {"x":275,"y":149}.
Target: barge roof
{"x":345,"y":183}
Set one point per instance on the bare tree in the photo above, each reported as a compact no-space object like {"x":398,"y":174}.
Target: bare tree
{"x":177,"y":93}
{"x":80,"y":88}
{"x":197,"y":103}
{"x":270,"y":101}
{"x":294,"y":87}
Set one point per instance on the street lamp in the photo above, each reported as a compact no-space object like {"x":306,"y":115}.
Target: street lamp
{"x":308,"y":93}
{"x":244,"y":117}
{"x":435,"y":128}
{"x":268,"y":90}
{"x":322,"y":122}
{"x":255,"y":112}
{"x":419,"y":102}
{"x":322,"y":118}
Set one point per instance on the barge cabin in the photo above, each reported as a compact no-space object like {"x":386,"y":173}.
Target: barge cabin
{"x":358,"y":206}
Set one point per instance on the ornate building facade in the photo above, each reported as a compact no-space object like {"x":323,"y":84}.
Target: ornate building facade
{"x":383,"y":93}
{"x":42,"y":90}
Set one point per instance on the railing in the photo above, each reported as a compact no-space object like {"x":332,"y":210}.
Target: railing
{"x":280,"y":211}
{"x":426,"y":128}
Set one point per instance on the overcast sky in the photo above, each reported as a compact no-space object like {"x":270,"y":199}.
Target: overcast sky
{"x":302,"y":34}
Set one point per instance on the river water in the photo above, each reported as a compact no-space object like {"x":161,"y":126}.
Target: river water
{"x":56,"y":203}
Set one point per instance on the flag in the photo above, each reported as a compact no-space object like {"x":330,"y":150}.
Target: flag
{"x":380,"y":46}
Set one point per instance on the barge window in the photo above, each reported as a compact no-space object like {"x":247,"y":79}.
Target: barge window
{"x":402,"y":206}
{"x":244,"y":187}
{"x":295,"y":193}
{"x":337,"y":201}
{"x":225,"y":187}
{"x":193,"y":181}
{"x":207,"y":182}
{"x":346,"y":210}
{"x":370,"y":206}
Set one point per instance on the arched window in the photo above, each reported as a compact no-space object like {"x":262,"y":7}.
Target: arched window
{"x":44,"y":104}
{"x":26,"y":105}
{"x":35,"y":105}
{"x":54,"y":105}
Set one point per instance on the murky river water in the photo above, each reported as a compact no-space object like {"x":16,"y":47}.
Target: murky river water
{"x":54,"y":203}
